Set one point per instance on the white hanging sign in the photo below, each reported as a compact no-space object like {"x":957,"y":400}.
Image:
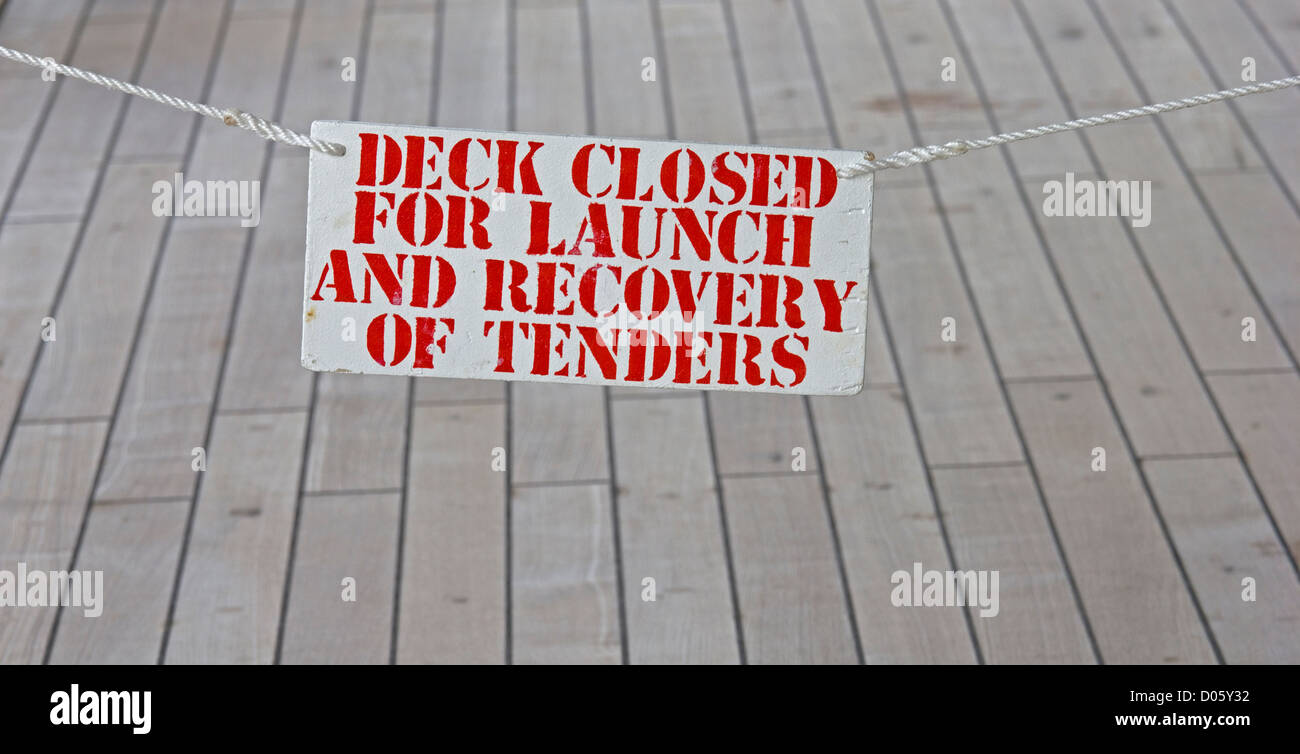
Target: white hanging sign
{"x":456,"y":253}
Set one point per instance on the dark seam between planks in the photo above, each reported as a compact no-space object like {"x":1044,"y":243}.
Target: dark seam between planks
{"x":1126,"y":64}
{"x":146,"y":41}
{"x":363,"y":59}
{"x":19,"y":174}
{"x":1052,"y":74}
{"x":291,"y":46}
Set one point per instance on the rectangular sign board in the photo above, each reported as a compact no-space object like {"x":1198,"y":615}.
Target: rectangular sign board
{"x":459,"y":253}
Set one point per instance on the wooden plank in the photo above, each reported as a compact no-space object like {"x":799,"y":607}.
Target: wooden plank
{"x":549,"y":91}
{"x":881,"y":371}
{"x":935,"y":102}
{"x":866,"y":112}
{"x":254,"y":50}
{"x":441,"y":390}
{"x":621,"y":38}
{"x":1159,"y":55}
{"x":79,"y":374}
{"x":565,"y":595}
{"x":1262,"y":411}
{"x":263,"y":370}
{"x":558,"y":434}
{"x":453,"y":589}
{"x":1262,"y":226}
{"x":777,"y":75}
{"x":787,"y":580}
{"x":1276,"y":24}
{"x":959,"y":409}
{"x":232,"y":579}
{"x":44,"y":487}
{"x":1202,"y":286}
{"x":364,"y":528}
{"x":705,"y":108}
{"x":101,"y":303}
{"x":136,"y":546}
{"x":1224,"y":537}
{"x":385,"y":7}
{"x":67,"y":155}
{"x":265,"y":8}
{"x":1133,"y":590}
{"x":1279,"y":19}
{"x":342,"y":538}
{"x":473,"y":86}
{"x":24,"y":95}
{"x":997,"y":524}
{"x":886,"y":520}
{"x":116,"y":11}
{"x":183,"y":41}
{"x":102,"y":306}
{"x":39,"y":26}
{"x":1030,"y":329}
{"x":398,"y":75}
{"x":1208,"y":138}
{"x":1021,"y":306}
{"x":998,"y":59}
{"x":329,"y":32}
{"x":760,"y":433}
{"x":349,"y":408}
{"x":941,"y":401}
{"x":1156,"y":389}
{"x":57,"y":384}
{"x":31,"y":256}
{"x":671,"y":533}
{"x":167,"y":400}
{"x":1224,"y":34}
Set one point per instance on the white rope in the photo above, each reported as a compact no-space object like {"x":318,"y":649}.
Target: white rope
{"x":869,"y":163}
{"x":231,"y":117}
{"x":922,"y":155}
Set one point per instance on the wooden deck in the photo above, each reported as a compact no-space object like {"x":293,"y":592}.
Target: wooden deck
{"x":1072,"y":334}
